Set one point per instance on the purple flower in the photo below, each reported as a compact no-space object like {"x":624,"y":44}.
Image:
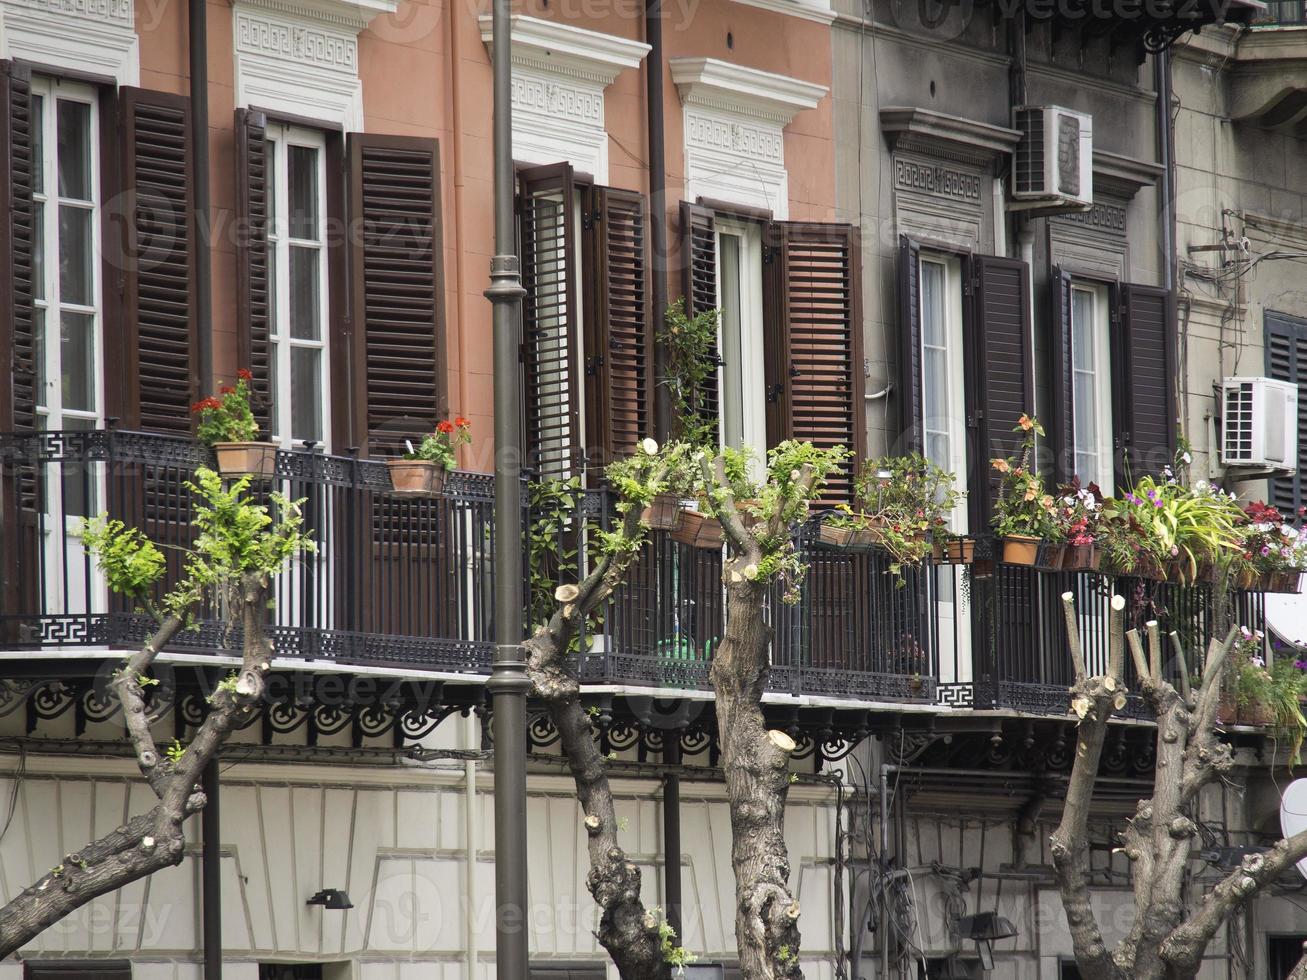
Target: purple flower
{"x":1300,"y":664}
{"x":1133,"y":499}
{"x":1265,"y":551}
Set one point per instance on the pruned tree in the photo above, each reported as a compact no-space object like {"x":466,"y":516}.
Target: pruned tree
{"x":239,"y":547}
{"x":1167,"y":938}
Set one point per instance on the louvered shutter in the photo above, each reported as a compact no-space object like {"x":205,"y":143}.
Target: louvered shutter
{"x":550,"y":355}
{"x":252,"y":301}
{"x":1001,"y":382}
{"x":1061,"y":426}
{"x":911,"y":409}
{"x":619,"y":409}
{"x":1286,"y":360}
{"x":699,"y":283}
{"x":397,"y":280}
{"x":159,"y":323}
{"x":17,"y":330}
{"x":1143,"y":367}
{"x":813,"y":342}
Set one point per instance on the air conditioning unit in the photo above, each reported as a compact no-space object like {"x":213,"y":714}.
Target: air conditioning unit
{"x":1054,"y":168}
{"x":1259,"y":423}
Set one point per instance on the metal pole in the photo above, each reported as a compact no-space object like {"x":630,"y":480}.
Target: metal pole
{"x":672,"y":832}
{"x":653,"y":66}
{"x":211,"y":874}
{"x":202,"y":275}
{"x":508,"y":682}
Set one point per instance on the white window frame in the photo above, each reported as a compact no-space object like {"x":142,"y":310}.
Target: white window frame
{"x":52,"y":91}
{"x":752,"y":366}
{"x":1100,"y":377}
{"x":954,"y":423}
{"x":281,"y":136}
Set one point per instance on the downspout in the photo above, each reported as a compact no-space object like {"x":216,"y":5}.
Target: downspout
{"x":202,"y":273}
{"x":211,"y":874}
{"x":882,"y":870}
{"x":653,"y":76}
{"x":471,"y":819}
{"x":456,"y":125}
{"x":1166,"y":157}
{"x":672,"y":834}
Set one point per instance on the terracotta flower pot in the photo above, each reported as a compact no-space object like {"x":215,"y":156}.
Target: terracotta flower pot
{"x":836,"y":535}
{"x":698,"y":530}
{"x":1227,"y":709}
{"x":955,"y":551}
{"x":1051,"y":555}
{"x":1150,"y":568}
{"x":246,"y":458}
{"x":1021,"y":550}
{"x":1286,"y":581}
{"x":417,"y":476}
{"x":1081,"y":558}
{"x":663,"y":512}
{"x":1258,"y":714}
{"x":1246,"y":579}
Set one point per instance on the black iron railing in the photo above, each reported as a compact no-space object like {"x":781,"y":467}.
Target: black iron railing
{"x":404,"y":580}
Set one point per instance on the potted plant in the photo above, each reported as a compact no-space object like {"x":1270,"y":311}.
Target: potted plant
{"x":905,"y":504}
{"x":1253,"y":684}
{"x":423,"y":470}
{"x":1273,"y":551}
{"x":1079,"y":514}
{"x":226,"y":422}
{"x":662,"y":513}
{"x":697,"y":527}
{"x":1024,"y":512}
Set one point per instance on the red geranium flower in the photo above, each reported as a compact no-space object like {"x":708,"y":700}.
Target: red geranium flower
{"x":206,"y":404}
{"x":244,"y":374}
{"x":462,"y":423}
{"x":226,"y":390}
{"x":445,"y":426}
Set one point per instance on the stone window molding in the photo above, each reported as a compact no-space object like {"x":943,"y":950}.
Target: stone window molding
{"x":300,"y":57}
{"x":87,"y":36}
{"x":560,"y":73}
{"x":734,"y":120}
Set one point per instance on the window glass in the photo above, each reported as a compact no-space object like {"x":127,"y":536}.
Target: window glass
{"x":936,"y":393}
{"x":74,"y":125}
{"x":1091,"y":387}
{"x":732,"y":396}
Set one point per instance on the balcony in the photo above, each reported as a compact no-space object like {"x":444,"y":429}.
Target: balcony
{"x":407,"y":582}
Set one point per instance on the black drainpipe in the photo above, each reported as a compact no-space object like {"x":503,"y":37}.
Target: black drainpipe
{"x":211,"y":874}
{"x":202,"y":274}
{"x":1166,"y":157}
{"x":672,"y":832}
{"x":653,"y":74}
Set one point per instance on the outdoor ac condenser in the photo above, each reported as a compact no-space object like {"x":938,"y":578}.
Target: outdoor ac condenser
{"x":1054,"y":166}
{"x":1259,"y":423}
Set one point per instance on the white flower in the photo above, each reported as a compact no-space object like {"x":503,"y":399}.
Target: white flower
{"x":650,"y":446}
{"x":1186,"y":458}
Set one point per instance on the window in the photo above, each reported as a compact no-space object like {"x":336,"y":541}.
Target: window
{"x":1286,"y":360}
{"x":942,"y":383}
{"x":1091,"y":384}
{"x":743,"y":407}
{"x":297,"y":273}
{"x":66,"y":275}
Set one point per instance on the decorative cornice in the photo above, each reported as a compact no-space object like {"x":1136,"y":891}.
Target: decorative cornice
{"x":352,"y":14}
{"x":814,"y":10}
{"x":946,"y":137}
{"x":716,"y":84}
{"x":566,"y":50}
{"x":1122,"y":177}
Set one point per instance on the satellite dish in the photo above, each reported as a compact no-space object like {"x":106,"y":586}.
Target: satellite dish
{"x":1293,"y":814}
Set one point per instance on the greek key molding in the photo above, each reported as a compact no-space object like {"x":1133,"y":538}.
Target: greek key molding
{"x":319,"y":47}
{"x":96,"y":36}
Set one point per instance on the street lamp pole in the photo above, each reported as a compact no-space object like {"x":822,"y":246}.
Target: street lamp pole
{"x":508,"y":682}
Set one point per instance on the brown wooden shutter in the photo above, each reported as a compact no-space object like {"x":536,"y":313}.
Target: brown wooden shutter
{"x":618,"y":385}
{"x":397,"y":279}
{"x":17,"y":326}
{"x":1143,"y":368}
{"x":550,"y":355}
{"x":158,"y":325}
{"x":1286,"y":359}
{"x":253,"y":303}
{"x":1001,"y":382}
{"x":910,"y":394}
{"x":699,"y":280}
{"x":813,"y":343}
{"x":1061,"y":425}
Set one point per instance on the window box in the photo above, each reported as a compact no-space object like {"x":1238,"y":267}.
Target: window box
{"x":663,"y":512}
{"x":1081,"y":558}
{"x":1021,"y":550}
{"x":246,"y":458}
{"x":955,"y":551}
{"x":698,"y":530}
{"x":417,"y":476}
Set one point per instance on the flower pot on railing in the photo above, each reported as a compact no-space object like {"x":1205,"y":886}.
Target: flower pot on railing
{"x":698,"y":530}
{"x":1020,"y":549}
{"x":417,"y":476}
{"x":1150,"y":568}
{"x":1246,"y":579}
{"x":663,"y":512}
{"x":1209,"y":572}
{"x":1051,"y":555}
{"x":1256,"y":713}
{"x":954,"y":551}
{"x":1227,"y":709}
{"x":1288,"y":581}
{"x":1081,"y":558}
{"x":238,"y":459}
{"x":835,"y":535}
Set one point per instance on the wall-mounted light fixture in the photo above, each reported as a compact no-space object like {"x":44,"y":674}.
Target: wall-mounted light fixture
{"x":985,"y":929}
{"x":331,"y":898}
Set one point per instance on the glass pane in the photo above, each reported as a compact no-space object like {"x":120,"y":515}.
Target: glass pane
{"x":38,"y":144}
{"x":732,"y":407}
{"x":274,"y":230}
{"x":77,"y":361}
{"x":306,"y":393}
{"x":932,"y":304}
{"x":75,"y":255}
{"x":74,"y":125}
{"x":934,"y":369}
{"x":38,"y":250}
{"x":302,"y":176}
{"x":79,"y":496}
{"x":304,"y":294}
{"x":1082,"y":329}
{"x":38,"y":356}
{"x":937,"y":450}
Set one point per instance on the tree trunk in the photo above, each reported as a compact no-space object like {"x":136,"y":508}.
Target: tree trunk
{"x":755,"y":762}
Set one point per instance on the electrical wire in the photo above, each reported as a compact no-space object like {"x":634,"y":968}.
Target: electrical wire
{"x":13,"y":794}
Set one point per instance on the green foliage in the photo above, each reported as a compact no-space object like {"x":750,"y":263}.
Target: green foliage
{"x":690,"y":345}
{"x":441,"y":446}
{"x":176,"y":751}
{"x":785,"y":956}
{"x":1024,"y":508}
{"x":910,"y":500}
{"x":130,"y":562}
{"x":1159,"y":521}
{"x":551,"y":541}
{"x":227,"y":417}
{"x":675,"y":956}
